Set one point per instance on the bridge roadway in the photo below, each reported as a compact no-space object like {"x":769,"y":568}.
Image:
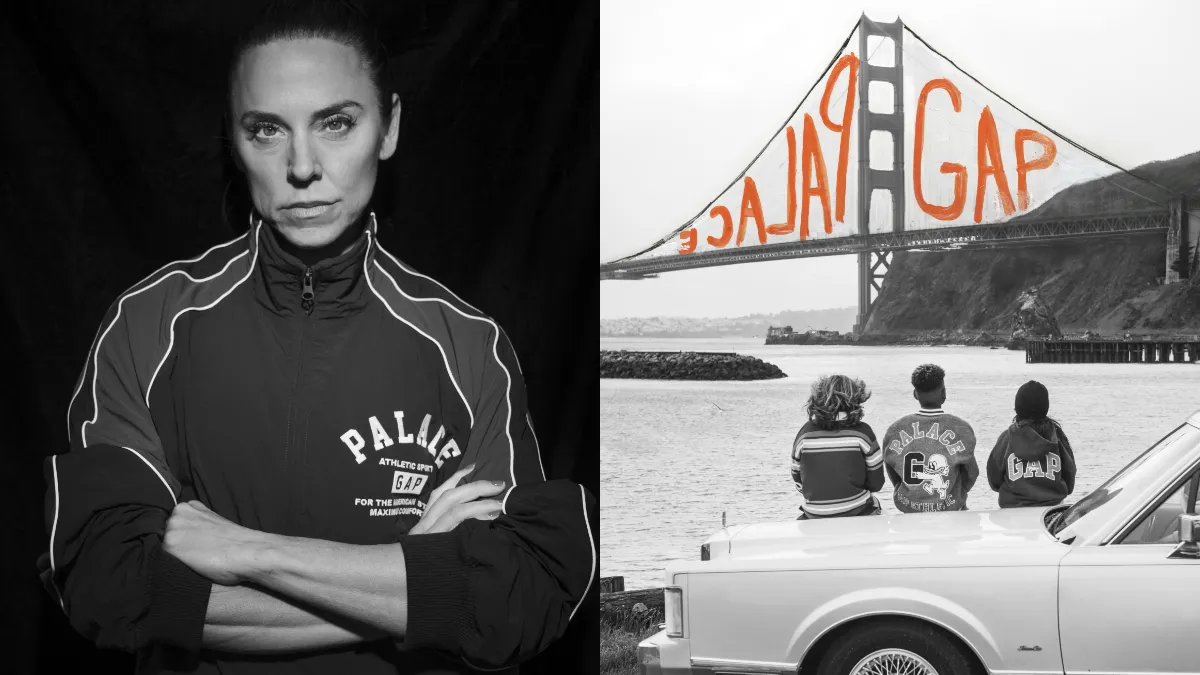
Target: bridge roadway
{"x":1007,"y":234}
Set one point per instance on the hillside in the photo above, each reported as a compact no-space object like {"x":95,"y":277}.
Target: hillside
{"x":754,"y":325}
{"x":1107,"y":286}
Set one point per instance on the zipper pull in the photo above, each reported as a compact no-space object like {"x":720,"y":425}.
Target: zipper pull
{"x":307,"y":297}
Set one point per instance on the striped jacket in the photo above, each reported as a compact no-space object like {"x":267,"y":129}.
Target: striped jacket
{"x":836,"y":471}
{"x":323,"y":401}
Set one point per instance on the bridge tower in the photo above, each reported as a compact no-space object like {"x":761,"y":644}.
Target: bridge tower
{"x":870,"y":180}
{"x":1180,"y":233}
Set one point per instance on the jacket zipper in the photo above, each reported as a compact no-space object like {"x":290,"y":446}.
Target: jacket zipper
{"x":307,"y":303}
{"x":307,"y":297}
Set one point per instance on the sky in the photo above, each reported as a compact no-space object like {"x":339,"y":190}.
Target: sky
{"x":690,"y":91}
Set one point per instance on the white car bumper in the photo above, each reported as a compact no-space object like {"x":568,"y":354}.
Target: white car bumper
{"x":661,"y":655}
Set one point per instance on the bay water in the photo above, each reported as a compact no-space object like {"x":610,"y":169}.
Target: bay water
{"x":674,"y":455}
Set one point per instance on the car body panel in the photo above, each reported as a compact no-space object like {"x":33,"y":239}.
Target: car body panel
{"x":777,"y":615}
{"x":903,"y":540}
{"x":1129,"y":608}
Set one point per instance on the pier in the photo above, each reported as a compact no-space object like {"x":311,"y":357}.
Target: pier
{"x":1112,"y":351}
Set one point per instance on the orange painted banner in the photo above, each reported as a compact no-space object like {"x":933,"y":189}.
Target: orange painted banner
{"x":774,"y":200}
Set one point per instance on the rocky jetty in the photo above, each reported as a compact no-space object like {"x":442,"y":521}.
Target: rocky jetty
{"x":685,"y":366}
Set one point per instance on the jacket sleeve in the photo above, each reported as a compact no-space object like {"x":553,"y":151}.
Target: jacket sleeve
{"x":874,"y":458}
{"x":797,"y":465}
{"x":888,"y":437}
{"x":995,"y":463}
{"x":502,"y":444}
{"x":1068,"y":468}
{"x":496,"y":593}
{"x":107,"y":502}
{"x":970,"y":464}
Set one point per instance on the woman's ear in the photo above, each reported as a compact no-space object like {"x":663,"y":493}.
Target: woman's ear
{"x":388,"y":147}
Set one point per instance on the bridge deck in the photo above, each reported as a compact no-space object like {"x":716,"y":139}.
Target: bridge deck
{"x":968,"y":236}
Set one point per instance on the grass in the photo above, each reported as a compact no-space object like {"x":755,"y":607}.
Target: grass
{"x":620,"y":633}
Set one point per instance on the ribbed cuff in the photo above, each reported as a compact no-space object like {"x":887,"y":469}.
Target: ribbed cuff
{"x":439,"y":593}
{"x":178,"y":604}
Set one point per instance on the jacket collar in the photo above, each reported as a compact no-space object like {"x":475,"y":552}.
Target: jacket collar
{"x":339,"y":283}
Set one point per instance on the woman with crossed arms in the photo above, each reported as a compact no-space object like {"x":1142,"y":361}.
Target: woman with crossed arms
{"x":295,"y":453}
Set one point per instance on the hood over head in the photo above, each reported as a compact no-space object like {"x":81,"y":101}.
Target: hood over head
{"x":1028,"y":444}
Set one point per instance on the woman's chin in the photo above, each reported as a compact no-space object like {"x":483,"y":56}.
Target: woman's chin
{"x":310,"y":235}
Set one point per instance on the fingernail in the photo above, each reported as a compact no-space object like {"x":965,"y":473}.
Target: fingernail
{"x":498,"y":483}
{"x":492,"y":515}
{"x":469,"y":467}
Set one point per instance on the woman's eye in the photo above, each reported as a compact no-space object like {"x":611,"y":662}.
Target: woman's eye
{"x":265,"y":132}
{"x":339,"y":124}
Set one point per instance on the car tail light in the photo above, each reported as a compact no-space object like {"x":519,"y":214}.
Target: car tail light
{"x":673,"y":610}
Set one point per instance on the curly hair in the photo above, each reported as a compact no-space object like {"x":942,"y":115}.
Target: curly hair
{"x":836,"y":402}
{"x":927,"y":377}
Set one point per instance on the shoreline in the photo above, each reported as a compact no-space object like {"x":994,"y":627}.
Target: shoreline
{"x":923,"y":339}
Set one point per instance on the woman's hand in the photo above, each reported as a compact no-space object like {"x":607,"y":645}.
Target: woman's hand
{"x":215,"y":548}
{"x":451,"y":504}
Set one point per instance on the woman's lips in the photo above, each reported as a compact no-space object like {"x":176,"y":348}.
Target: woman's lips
{"x":305,"y":212}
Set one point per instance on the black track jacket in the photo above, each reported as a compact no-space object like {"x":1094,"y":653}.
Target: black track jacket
{"x":324,"y":402}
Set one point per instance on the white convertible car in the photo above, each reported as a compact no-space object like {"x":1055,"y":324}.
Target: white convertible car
{"x":1110,"y":584}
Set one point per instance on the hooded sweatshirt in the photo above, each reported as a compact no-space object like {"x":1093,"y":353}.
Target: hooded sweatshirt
{"x":1029,"y":469}
{"x":324,"y":401}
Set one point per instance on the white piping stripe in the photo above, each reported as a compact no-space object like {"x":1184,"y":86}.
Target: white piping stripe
{"x":445,"y":360}
{"x":53,"y":530}
{"x":841,"y":500}
{"x":591,"y":575}
{"x":82,"y":379}
{"x":418,"y":274}
{"x":823,"y":510}
{"x":807,"y":443}
{"x":495,"y":352}
{"x":156,"y":473}
{"x":504,"y":502}
{"x":171,"y":344}
{"x":120,"y":304}
{"x":96,"y":340}
{"x":537,"y":448}
{"x":843,"y":448}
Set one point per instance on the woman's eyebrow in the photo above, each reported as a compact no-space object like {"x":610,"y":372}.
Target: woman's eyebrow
{"x":258,"y":115}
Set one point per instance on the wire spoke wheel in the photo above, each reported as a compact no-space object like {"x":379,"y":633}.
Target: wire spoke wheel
{"x":893,"y":662}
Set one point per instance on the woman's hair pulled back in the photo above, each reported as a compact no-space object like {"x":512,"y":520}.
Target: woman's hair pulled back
{"x":340,"y":21}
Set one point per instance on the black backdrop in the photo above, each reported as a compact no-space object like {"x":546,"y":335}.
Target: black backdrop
{"x":112,"y":166}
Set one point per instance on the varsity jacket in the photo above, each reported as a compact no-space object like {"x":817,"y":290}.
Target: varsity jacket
{"x":1029,"y":469}
{"x":930,"y":458}
{"x":323,"y":401}
{"x":836,"y":471}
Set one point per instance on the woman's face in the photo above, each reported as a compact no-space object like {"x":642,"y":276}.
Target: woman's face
{"x":308,"y":131}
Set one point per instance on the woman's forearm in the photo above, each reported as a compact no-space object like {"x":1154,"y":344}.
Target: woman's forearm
{"x":248,"y":620}
{"x":365,"y":584}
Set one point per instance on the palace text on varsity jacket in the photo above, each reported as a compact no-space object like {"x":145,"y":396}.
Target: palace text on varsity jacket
{"x":930,"y":458}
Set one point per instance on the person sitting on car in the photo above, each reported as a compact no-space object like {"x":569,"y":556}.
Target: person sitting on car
{"x":930,"y":454}
{"x":1032,"y":463}
{"x":836,"y":461}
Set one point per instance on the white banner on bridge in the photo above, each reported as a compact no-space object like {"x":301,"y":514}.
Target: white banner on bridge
{"x":981,"y":161}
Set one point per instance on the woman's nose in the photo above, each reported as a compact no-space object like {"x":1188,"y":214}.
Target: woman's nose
{"x":303,"y":164}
